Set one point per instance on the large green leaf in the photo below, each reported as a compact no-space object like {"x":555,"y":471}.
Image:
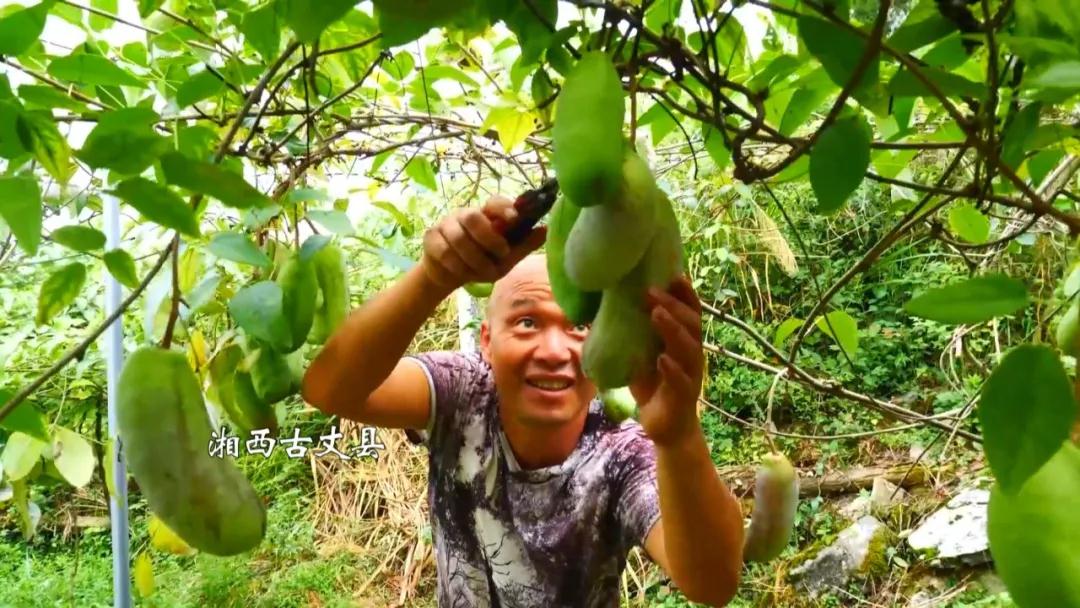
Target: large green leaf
{"x":237,"y":248}
{"x":39,"y":135}
{"x":124,"y":141}
{"x":158,"y":204}
{"x":333,"y":220}
{"x":258,"y":310}
{"x":122,"y":267}
{"x":914,"y":36}
{"x":20,"y":206}
{"x":973,"y":300}
{"x":197,"y":88}
{"x":20,"y":29}
{"x":49,"y":97}
{"x":88,"y":69}
{"x":838,"y":162}
{"x":206,"y":178}
{"x":846,"y":333}
{"x":1059,"y":75}
{"x":969,"y":223}
{"x":24,"y":418}
{"x":262,"y":30}
{"x":533,"y":32}
{"x":146,"y":7}
{"x":803,"y":103}
{"x":1026,"y":410}
{"x":58,"y":291}
{"x":906,"y":84}
{"x":420,"y":170}
{"x":73,"y":456}
{"x":11,"y":145}
{"x":838,"y":50}
{"x":21,"y":453}
{"x":785,"y":330}
{"x":715,"y":146}
{"x":308,"y":18}
{"x":1018,"y":133}
{"x":79,"y":238}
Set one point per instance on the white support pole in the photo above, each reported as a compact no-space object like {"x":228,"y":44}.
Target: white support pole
{"x":114,"y":340}
{"x":466,"y":312}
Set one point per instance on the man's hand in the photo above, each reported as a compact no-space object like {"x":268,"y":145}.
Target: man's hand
{"x":465,"y":247}
{"x":667,"y":396}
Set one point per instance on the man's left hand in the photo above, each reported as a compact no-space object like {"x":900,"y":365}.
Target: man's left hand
{"x":667,"y":395}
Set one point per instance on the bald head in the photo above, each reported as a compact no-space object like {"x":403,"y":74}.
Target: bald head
{"x":530,"y":271}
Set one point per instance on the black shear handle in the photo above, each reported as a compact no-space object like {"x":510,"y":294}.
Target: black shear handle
{"x":531,"y":207}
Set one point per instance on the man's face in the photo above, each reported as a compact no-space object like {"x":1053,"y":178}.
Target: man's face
{"x":534,"y":350}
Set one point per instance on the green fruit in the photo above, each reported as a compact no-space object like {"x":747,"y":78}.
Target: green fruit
{"x":1068,"y":330}
{"x":296,"y":371}
{"x":479,"y":290}
{"x":270,"y":375}
{"x":222,"y":372}
{"x":1035,"y":534}
{"x":252,"y":412}
{"x":776,"y":497}
{"x":622,"y":342}
{"x":579,"y":306}
{"x":619,"y":404}
{"x":165,"y":433}
{"x":299,"y":286}
{"x":607,"y":242}
{"x":333,"y":307}
{"x":587,"y":138}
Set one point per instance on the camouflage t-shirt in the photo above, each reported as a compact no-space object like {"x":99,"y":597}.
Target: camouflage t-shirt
{"x":550,"y":537}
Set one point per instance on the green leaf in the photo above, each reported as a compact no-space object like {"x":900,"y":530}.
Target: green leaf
{"x":146,"y":7}
{"x":312,"y":245}
{"x":333,"y":220}
{"x":785,"y":329}
{"x":99,"y":23}
{"x":802,"y":105}
{"x":533,"y":33}
{"x":59,"y":291}
{"x":308,"y":18}
{"x":20,"y":29}
{"x":512,"y":125}
{"x":122,"y":267}
{"x":973,"y":300}
{"x":20,"y":206}
{"x":262,"y":31}
{"x":74,"y":457}
{"x":48,"y":98}
{"x":969,"y":223}
{"x":846,"y":332}
{"x":158,"y":204}
{"x":1018,"y":133}
{"x":715,"y":146}
{"x":11,"y":146}
{"x":1060,"y":75}
{"x":660,"y":123}
{"x":197,"y":88}
{"x":124,"y":141}
{"x":838,"y":50}
{"x":1026,"y":410}
{"x":91,"y":70}
{"x":20,"y":455}
{"x":914,"y":36}
{"x":258,"y":311}
{"x":237,"y":248}
{"x":838,"y":162}
{"x":420,"y":170}
{"x":39,"y":135}
{"x":205,"y":178}
{"x":78,"y":238}
{"x":906,"y":84}
{"x":23,"y":419}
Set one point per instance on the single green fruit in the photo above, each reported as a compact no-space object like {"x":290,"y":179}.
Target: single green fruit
{"x":580,"y":307}
{"x":586,"y":137}
{"x":619,"y":404}
{"x":479,"y":290}
{"x":608,"y":241}
{"x":333,"y":306}
{"x":1035,"y":535}
{"x":166,"y":434}
{"x":252,"y":412}
{"x":622,"y":342}
{"x":776,"y":498}
{"x":299,"y":286}
{"x":1068,"y":330}
{"x":271,"y":376}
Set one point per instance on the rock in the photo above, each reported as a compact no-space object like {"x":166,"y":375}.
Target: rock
{"x":858,"y":551}
{"x":930,"y":592}
{"x":956,"y":533}
{"x":886,"y":494}
{"x":856,"y":509}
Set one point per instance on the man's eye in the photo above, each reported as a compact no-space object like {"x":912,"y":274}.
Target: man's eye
{"x":527,"y":322}
{"x":581,"y":327}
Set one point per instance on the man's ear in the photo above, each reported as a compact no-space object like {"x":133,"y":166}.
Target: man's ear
{"x":485,"y":340}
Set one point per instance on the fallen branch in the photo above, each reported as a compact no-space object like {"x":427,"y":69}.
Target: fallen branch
{"x":741,"y":479}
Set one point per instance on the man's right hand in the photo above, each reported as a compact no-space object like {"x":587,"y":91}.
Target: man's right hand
{"x":466,"y":247}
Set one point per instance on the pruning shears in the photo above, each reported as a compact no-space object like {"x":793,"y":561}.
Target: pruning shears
{"x":531,"y":206}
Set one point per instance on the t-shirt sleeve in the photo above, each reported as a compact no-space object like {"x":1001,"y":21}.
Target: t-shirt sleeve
{"x":452,"y":377}
{"x":637,"y":491}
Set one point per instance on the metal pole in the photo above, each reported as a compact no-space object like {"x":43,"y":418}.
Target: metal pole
{"x":114,"y":340}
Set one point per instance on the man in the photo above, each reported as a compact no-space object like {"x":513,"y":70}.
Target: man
{"x":536,"y":498}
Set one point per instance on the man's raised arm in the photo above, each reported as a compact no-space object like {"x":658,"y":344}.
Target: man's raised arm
{"x":359,"y":373}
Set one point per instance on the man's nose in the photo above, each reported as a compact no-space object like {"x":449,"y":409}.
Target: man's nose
{"x":555,"y":347}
